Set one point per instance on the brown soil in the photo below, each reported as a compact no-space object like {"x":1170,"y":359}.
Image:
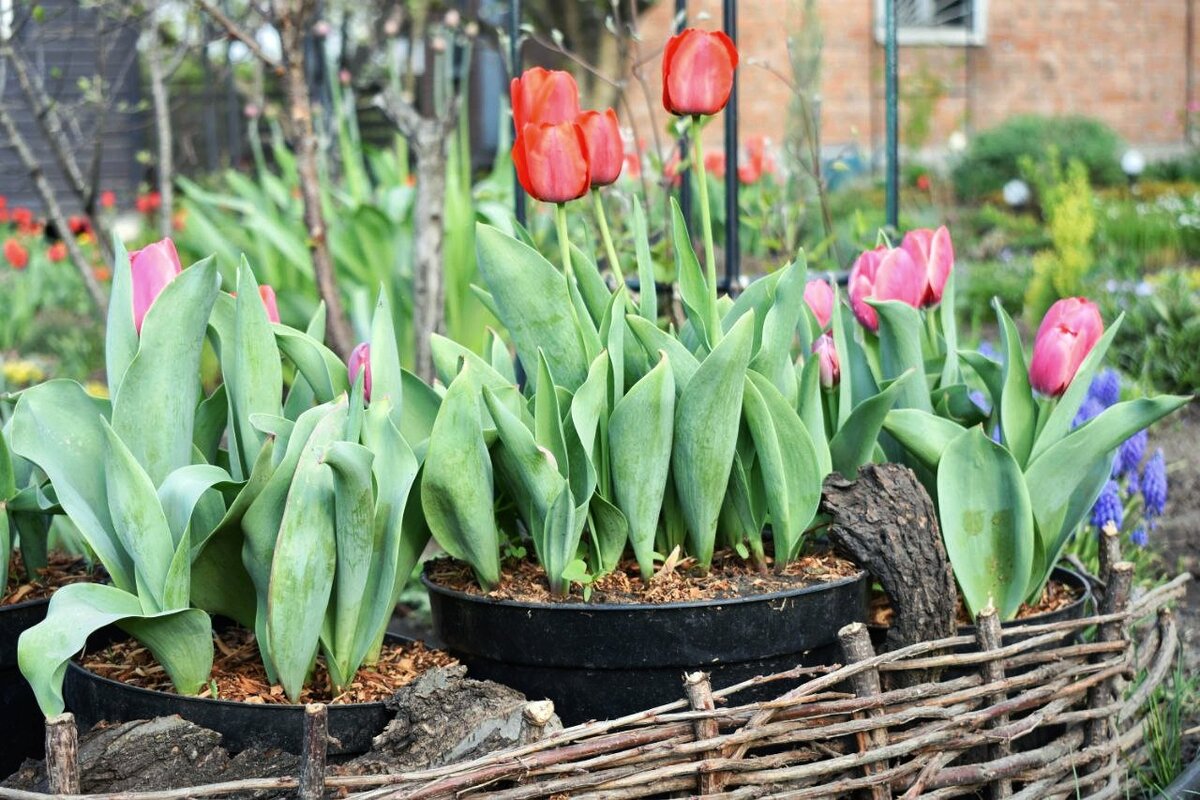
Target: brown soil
{"x":1055,"y":596}
{"x":238,"y":673}
{"x":730,"y":577}
{"x":62,"y":569}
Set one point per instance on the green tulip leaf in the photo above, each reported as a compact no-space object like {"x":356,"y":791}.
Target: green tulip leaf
{"x":926,"y":436}
{"x":647,"y":294}
{"x":1018,"y":409}
{"x":120,"y":333}
{"x":693,"y":287}
{"x":813,"y":414}
{"x":774,"y":357}
{"x":900,"y":350}
{"x":253,"y":374}
{"x":654,"y":340}
{"x":854,"y":444}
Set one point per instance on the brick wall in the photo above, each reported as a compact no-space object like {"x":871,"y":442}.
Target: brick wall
{"x":1123,"y":61}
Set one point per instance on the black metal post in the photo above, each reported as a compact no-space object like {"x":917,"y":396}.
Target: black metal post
{"x":732,"y":182}
{"x":891,"y":92}
{"x":685,"y":185}
{"x":514,"y":58}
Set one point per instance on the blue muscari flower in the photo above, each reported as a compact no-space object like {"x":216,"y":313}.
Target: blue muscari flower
{"x":1139,"y":537}
{"x":1154,"y":485}
{"x":1106,"y":387}
{"x":1108,"y":507}
{"x":1090,"y":409}
{"x":1129,"y":455}
{"x":980,"y":400}
{"x":986,"y":349}
{"x":996,"y":435}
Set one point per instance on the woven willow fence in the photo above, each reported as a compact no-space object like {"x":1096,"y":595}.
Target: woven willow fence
{"x":1030,"y":712}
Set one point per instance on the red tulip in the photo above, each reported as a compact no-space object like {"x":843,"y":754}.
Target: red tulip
{"x":714,"y":164}
{"x":697,"y":72}
{"x":23,"y":218}
{"x":1067,"y":334}
{"x":883,"y":274}
{"x":671,"y":169}
{"x":268,"y":300}
{"x":828,"y":365}
{"x":360,"y":361}
{"x":79,"y":224}
{"x":151,"y":269}
{"x":551,"y":161}
{"x":543,"y":96}
{"x":57,"y":252}
{"x":758,"y":161}
{"x":632,"y":166}
{"x":606,"y":151}
{"x":108,"y":199}
{"x":819,"y":296}
{"x":934,"y":253}
{"x":16,"y":254}
{"x":148,"y":203}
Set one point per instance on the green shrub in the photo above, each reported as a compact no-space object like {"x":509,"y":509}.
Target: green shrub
{"x":1185,"y":167}
{"x":1070,"y":210}
{"x":994,"y":156}
{"x":1160,"y":336}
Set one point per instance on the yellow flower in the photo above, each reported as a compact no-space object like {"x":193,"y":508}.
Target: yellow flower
{"x":96,"y":389}
{"x":22,"y":373}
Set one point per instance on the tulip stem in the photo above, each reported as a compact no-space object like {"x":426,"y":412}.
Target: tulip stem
{"x":710,"y":257}
{"x":564,"y":244}
{"x":606,"y":237}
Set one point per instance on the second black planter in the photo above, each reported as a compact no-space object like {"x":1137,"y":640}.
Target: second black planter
{"x":601,"y":660}
{"x":21,"y":734}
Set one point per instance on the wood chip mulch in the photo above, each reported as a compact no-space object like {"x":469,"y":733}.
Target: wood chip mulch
{"x":1055,"y":596}
{"x":238,"y":673}
{"x":730,"y":577}
{"x":62,"y":569}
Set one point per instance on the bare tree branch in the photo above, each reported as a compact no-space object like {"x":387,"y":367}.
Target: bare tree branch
{"x":237,"y":32}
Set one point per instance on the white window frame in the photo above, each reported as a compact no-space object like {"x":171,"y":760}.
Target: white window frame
{"x":975,"y":36}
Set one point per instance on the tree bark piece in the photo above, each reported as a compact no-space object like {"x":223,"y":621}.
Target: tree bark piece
{"x":62,"y":754}
{"x":886,"y":523}
{"x":316,"y":749}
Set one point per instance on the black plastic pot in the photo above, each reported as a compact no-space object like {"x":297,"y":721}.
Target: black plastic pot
{"x":1074,"y":610}
{"x":1186,"y":786}
{"x":21,"y":734}
{"x":93,"y":699}
{"x":601,"y":661}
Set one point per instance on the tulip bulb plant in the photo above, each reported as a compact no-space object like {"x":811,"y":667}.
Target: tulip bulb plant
{"x":283,"y":512}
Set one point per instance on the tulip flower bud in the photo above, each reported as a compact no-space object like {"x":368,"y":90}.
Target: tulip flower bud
{"x":543,"y":96}
{"x":16,"y":254}
{"x":552,"y":162}
{"x":268,"y":300}
{"x":883,"y":274}
{"x":828,"y":365}
{"x":818,"y":295}
{"x":151,"y":269}
{"x":1067,"y":334}
{"x":360,"y":361}
{"x":934,"y":253}
{"x":697,"y":72}
{"x":605,"y":150}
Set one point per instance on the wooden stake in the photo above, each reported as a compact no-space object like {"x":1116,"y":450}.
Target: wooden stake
{"x":989,"y":637}
{"x":316,"y":748}
{"x":699,"y":695}
{"x":1119,"y":582}
{"x":1110,"y":550}
{"x":534,"y":719}
{"x":856,"y":646}
{"x":62,"y":754}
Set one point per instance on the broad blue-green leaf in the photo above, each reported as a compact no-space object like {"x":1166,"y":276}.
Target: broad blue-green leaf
{"x":854,"y":444}
{"x":592,"y":288}
{"x":640,"y":433}
{"x":212,"y":417}
{"x":812,"y":413}
{"x":120,"y":334}
{"x":532,"y":301}
{"x":301,"y":397}
{"x":1048,"y":548}
{"x":610,"y":531}
{"x":612,"y":334}
{"x":499,"y":357}
{"x":253,"y":373}
{"x":756,"y":297}
{"x":987,"y":522}
{"x":926,"y":436}
{"x":456,"y":486}
{"x":697,"y":295}
{"x":950,"y":371}
{"x":182,"y":490}
{"x":857,"y":383}
{"x":1018,"y":409}
{"x":421,"y":404}
{"x":181,"y":640}
{"x":387,"y":380}
{"x":322,"y":369}
{"x":560,"y":541}
{"x":785,"y":453}
{"x":648,"y":294}
{"x":706,"y":427}
{"x":154,"y":410}
{"x":590,"y":404}
{"x":900,"y":351}
{"x":774,"y":357}
{"x":655,"y":340}
{"x":57,"y":426}
{"x":1058,"y":424}
{"x":989,"y":371}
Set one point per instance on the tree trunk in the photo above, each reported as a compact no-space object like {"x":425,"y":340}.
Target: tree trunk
{"x":162,"y":131}
{"x":429,"y":284}
{"x":292,"y":20}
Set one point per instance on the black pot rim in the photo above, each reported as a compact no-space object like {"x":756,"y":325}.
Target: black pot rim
{"x":27,"y":604}
{"x":765,"y":597}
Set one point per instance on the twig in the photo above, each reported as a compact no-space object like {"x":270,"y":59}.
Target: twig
{"x":234,"y":30}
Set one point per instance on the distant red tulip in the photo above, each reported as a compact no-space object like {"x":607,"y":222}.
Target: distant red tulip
{"x":23,"y":218}
{"x":818,"y":295}
{"x":151,"y":269}
{"x":551,"y":161}
{"x":543,"y":96}
{"x":883,"y":274}
{"x":829,"y":367}
{"x":670,"y":169}
{"x":360,"y":361}
{"x":714,"y":164}
{"x":108,"y":199}
{"x":57,"y":252}
{"x":1067,"y":334}
{"x":605,"y":151}
{"x":148,"y":203}
{"x":923,"y":182}
{"x":16,"y":254}
{"x":268,"y":300}
{"x":758,"y":161}
{"x":934,"y":253}
{"x":697,"y":72}
{"x":79,"y":224}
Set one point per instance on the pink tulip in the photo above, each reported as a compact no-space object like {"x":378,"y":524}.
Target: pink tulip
{"x":883,"y":274}
{"x":828,"y":365}
{"x":360,"y":361}
{"x":151,"y":269}
{"x":934,"y":253}
{"x":819,"y":296}
{"x":268,"y":300}
{"x":1067,"y":334}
